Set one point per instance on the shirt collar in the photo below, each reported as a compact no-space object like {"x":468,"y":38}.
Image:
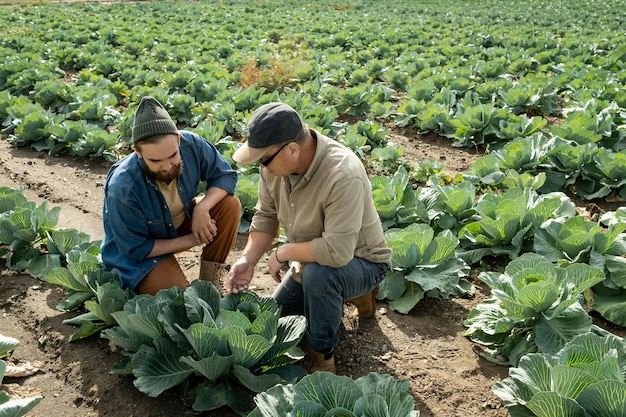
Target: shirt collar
{"x":320,"y":150}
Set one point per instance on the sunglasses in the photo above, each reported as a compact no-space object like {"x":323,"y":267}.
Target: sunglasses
{"x":269,"y":159}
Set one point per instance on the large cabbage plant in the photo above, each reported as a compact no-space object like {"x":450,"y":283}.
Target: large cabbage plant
{"x":24,"y":226}
{"x":423,"y":265}
{"x":610,"y":296}
{"x":325,"y":394}
{"x":585,"y":378}
{"x":395,"y":200}
{"x":505,"y":223}
{"x":449,"y":206}
{"x":603,"y":246}
{"x":535,"y":306}
{"x":216,"y":350}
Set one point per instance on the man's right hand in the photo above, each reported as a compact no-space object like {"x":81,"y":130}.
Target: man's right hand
{"x":239,"y":277}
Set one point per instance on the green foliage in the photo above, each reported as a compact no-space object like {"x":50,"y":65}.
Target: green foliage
{"x":30,"y":241}
{"x":355,"y":141}
{"x":376,"y":134}
{"x":238,"y":344}
{"x":524,"y":180}
{"x":387,"y":158}
{"x":485,"y":170}
{"x":593,"y":122}
{"x":505,"y":223}
{"x":476,"y":124}
{"x":585,"y":377}
{"x":519,"y":127}
{"x":423,"y":265}
{"x":247,"y":190}
{"x":574,"y":238}
{"x":603,"y":246}
{"x":323,"y":393}
{"x":424,"y":170}
{"x":449,"y":206}
{"x":606,"y":176}
{"x":355,"y":101}
{"x":395,"y":200}
{"x":100,"y":293}
{"x":24,"y":226}
{"x":16,"y":407}
{"x":534,"y":306}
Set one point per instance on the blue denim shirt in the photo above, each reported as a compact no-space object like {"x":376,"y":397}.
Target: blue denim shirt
{"x":135,"y":212}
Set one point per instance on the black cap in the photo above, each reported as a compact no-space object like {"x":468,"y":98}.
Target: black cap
{"x":270,"y":124}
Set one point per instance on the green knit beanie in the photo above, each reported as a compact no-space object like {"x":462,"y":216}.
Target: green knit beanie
{"x":151,"y":119}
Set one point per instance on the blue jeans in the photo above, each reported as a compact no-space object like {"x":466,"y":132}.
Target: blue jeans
{"x":321,"y":295}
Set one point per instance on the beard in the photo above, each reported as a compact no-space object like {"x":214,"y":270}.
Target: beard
{"x":164,"y":176}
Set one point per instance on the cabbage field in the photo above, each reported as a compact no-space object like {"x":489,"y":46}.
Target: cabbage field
{"x":522,"y":249}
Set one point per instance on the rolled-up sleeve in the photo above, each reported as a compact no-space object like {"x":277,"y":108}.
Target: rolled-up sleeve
{"x":212,"y":166}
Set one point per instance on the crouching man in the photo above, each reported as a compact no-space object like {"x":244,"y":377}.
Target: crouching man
{"x":319,"y":191}
{"x":151,"y":210}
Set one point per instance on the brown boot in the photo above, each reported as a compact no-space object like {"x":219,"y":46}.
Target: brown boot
{"x":317,"y":361}
{"x":365,"y":304}
{"x":213,"y":272}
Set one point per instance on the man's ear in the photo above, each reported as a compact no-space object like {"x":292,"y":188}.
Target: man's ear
{"x":136,"y":150}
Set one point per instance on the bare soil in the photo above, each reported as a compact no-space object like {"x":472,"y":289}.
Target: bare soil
{"x":426,"y":346}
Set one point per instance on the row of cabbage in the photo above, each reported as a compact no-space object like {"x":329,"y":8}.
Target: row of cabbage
{"x":226,"y":348}
{"x":435,"y":232}
{"x":536,"y":318}
{"x":537,"y":303}
{"x":72,"y":75}
{"x":480,"y":79}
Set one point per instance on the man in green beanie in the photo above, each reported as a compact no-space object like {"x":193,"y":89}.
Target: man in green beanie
{"x":151,"y":210}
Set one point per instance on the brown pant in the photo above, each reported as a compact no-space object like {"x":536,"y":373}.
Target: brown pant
{"x":167,"y":273}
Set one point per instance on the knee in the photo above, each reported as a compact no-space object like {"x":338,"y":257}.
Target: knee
{"x":314,"y":275}
{"x":232,"y":203}
{"x":229,"y":206}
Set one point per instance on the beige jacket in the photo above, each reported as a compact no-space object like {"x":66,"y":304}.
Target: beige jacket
{"x":331,"y":206}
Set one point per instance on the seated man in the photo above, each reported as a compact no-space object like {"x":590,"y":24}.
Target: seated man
{"x":151,"y":210}
{"x":319,"y":190}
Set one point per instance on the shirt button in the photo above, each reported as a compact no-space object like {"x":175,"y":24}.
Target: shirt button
{"x":292,"y":204}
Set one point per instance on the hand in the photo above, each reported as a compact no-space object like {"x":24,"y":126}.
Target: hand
{"x":276,"y":265}
{"x":203,"y":227}
{"x":239,"y":277}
